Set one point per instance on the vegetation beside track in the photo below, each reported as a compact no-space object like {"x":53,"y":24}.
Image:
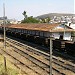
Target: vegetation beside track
{"x":11,"y":69}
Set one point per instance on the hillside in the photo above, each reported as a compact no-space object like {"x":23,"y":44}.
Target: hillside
{"x":51,"y":15}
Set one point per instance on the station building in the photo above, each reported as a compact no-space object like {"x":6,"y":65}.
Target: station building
{"x":57,"y":31}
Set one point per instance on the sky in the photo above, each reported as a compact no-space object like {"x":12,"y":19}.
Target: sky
{"x":15,"y":8}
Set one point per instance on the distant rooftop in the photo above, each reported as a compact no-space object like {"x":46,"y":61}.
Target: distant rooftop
{"x":1,"y":18}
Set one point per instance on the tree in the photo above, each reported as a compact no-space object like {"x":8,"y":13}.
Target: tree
{"x":29,"y":19}
{"x":24,"y":14}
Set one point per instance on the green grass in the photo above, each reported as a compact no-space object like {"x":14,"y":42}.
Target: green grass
{"x":11,"y":69}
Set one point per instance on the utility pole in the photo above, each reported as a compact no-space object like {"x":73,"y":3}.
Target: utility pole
{"x":4,"y":35}
{"x":50,"y":55}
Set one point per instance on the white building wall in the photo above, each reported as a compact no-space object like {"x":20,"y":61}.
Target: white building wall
{"x":56,"y":35}
{"x":67,"y":36}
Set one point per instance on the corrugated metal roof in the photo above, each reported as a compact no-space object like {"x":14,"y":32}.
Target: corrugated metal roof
{"x":39,"y":27}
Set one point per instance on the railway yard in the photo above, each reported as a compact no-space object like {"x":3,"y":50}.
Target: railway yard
{"x":38,"y":44}
{"x":28,"y":48}
{"x":33,"y":61}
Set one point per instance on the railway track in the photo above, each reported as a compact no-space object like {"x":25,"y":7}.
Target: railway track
{"x":28,"y":65}
{"x":67,"y":66}
{"x":62,"y":62}
{"x":37,"y":61}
